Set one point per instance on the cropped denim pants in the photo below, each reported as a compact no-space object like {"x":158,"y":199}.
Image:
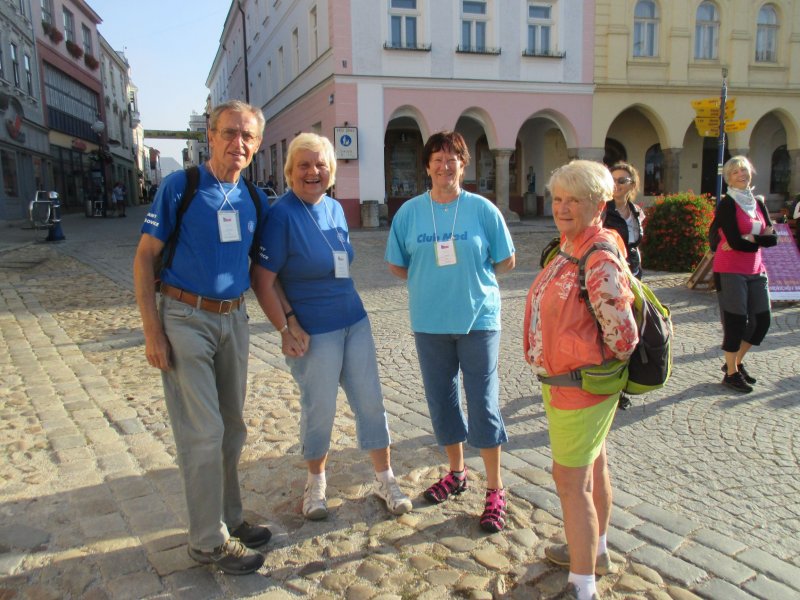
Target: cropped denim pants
{"x":343,"y":357}
{"x":204,"y":393}
{"x":442,"y":356}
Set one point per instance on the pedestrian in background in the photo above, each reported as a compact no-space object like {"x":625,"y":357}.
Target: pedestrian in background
{"x":450,"y":245}
{"x":199,"y":334}
{"x":560,"y":335}
{"x":326,"y":333}
{"x":118,"y":199}
{"x":740,"y":276}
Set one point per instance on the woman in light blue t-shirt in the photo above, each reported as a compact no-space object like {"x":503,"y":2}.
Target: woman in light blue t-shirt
{"x":449,"y":245}
{"x":325,"y":331}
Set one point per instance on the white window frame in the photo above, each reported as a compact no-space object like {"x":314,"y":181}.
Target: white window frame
{"x":473,"y":20}
{"x":28,"y":74}
{"x":767,"y":35}
{"x":537,"y":25}
{"x":69,"y":25}
{"x":47,"y":11}
{"x":645,"y":30}
{"x":87,"y":39}
{"x":313,"y":33}
{"x":15,"y":66}
{"x":706,"y":33}
{"x":405,"y":16}
{"x":295,"y":52}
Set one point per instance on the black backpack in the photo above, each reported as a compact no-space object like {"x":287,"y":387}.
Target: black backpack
{"x":192,"y":181}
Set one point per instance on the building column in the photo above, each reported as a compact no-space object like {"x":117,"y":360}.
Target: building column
{"x":502,"y":158}
{"x":794,"y":177}
{"x":672,"y":170}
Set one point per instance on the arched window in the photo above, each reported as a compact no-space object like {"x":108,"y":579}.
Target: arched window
{"x":706,"y":32}
{"x":654,"y":171}
{"x":767,"y":34}
{"x":780,"y":171}
{"x":645,"y":29}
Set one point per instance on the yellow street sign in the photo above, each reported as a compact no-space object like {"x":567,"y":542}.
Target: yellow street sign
{"x":732,"y":126}
{"x":706,"y":123}
{"x":709,"y":103}
{"x":713,"y":113}
{"x":708,"y":132}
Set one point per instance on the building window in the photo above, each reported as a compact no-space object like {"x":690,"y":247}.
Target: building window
{"x":706,"y":32}
{"x":2,"y":60}
{"x":474,"y":20}
{"x":403,"y":16}
{"x":8,"y":160}
{"x":312,"y":33}
{"x":69,"y":26}
{"x":654,"y":171}
{"x":28,"y":74}
{"x":87,"y":40}
{"x":15,"y":64}
{"x":540,"y":29}
{"x":280,"y":68}
{"x":645,"y":29}
{"x":22,"y":7}
{"x":767,"y":34}
{"x":295,"y":53}
{"x":780,"y":172}
{"x":47,"y":11}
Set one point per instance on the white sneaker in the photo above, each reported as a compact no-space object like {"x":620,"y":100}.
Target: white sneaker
{"x":396,"y":501}
{"x":315,"y":506}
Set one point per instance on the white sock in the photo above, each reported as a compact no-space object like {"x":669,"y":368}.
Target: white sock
{"x":585,"y":584}
{"x":385,"y":476}
{"x":602,"y":544}
{"x":316,"y":478}
{"x":459,"y":474}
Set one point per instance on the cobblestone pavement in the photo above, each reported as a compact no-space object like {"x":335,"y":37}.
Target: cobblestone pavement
{"x":707,"y":494}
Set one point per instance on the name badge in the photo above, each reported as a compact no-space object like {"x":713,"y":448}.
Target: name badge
{"x":341,"y":264}
{"x":228,"y":222}
{"x":445,"y":253}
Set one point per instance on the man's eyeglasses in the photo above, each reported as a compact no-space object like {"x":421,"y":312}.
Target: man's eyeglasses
{"x":230,"y":134}
{"x":623,"y":180}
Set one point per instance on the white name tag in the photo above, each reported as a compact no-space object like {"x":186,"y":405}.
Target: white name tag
{"x":341,"y":264}
{"x":228,"y":222}
{"x":445,"y":253}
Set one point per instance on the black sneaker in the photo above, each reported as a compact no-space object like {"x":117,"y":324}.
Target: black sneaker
{"x":737,"y":382}
{"x":747,"y":377}
{"x":232,"y":558}
{"x":624,"y":403}
{"x":252,"y":536}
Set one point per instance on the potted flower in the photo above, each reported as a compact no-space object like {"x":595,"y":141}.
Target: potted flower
{"x":91,"y":61}
{"x":55,"y":35}
{"x":46,"y":27}
{"x":75,"y":50}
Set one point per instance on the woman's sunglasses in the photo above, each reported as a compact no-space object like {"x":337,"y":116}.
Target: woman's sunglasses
{"x":623,"y":180}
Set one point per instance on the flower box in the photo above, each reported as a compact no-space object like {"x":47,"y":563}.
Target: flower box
{"x":91,"y":61}
{"x":75,"y":50}
{"x":55,"y":35}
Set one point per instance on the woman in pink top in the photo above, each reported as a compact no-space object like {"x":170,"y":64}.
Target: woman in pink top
{"x":561,"y":335}
{"x":739,"y":274}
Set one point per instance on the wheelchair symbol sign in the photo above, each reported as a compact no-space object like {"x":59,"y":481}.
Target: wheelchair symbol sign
{"x":346,"y":142}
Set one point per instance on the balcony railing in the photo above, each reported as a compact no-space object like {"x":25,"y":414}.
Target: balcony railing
{"x":544,"y":53}
{"x":462,"y":49}
{"x":402,"y":46}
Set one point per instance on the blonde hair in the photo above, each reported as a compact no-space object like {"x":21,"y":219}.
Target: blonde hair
{"x":737,"y":162}
{"x":314,"y":143}
{"x":583,"y":179}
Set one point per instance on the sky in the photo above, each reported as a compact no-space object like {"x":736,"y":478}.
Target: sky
{"x":170,"y":45}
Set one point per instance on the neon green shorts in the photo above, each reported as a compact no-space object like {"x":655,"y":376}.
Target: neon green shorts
{"x":577,"y":435}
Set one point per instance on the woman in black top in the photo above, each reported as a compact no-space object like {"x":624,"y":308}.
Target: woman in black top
{"x":623,"y":216}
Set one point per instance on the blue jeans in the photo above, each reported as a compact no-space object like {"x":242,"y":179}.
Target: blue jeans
{"x":347,"y":357}
{"x":475,"y":355}
{"x":204,"y":392}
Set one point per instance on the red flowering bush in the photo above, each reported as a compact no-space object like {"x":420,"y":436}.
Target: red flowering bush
{"x":676,"y":232}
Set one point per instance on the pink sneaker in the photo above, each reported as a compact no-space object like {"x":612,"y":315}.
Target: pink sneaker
{"x":493,"y":518}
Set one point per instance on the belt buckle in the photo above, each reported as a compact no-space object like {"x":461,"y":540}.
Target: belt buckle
{"x":222,"y":310}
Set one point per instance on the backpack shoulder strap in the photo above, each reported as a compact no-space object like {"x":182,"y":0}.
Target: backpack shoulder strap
{"x":582,"y":268}
{"x":257,"y":201}
{"x":192,"y":182}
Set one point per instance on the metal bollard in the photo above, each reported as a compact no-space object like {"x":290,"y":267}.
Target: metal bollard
{"x":55,"y":234}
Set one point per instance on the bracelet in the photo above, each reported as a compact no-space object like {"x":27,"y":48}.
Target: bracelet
{"x":284,"y":329}
{"x":290,"y":314}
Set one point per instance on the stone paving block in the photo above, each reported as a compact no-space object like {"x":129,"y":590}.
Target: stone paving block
{"x":767,"y":589}
{"x":135,"y":586}
{"x":715,"y":562}
{"x":720,"y":542}
{"x":103,"y":526}
{"x":767,"y":564}
{"x":658,"y":536}
{"x":533,"y":457}
{"x":667,"y":565}
{"x":717,"y":589}
{"x":171,"y":560}
{"x":622,"y":519}
{"x":540,"y":498}
{"x":192,"y":584}
{"x":22,"y":536}
{"x":666,"y":519}
{"x":623,"y":541}
{"x":10,"y":562}
{"x":130,"y":426}
{"x":625,"y":500}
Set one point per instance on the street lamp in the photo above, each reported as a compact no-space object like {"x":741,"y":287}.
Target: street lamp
{"x":99,"y":128}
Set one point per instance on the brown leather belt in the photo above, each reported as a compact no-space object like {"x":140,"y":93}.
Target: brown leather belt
{"x":222,"y":307}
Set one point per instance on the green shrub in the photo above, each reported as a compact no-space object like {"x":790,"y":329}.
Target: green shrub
{"x":676,"y":232}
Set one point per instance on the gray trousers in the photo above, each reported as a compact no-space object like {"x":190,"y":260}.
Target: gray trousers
{"x":205,"y":392}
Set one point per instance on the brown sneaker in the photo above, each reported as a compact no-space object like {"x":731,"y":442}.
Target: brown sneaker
{"x":559,"y":554}
{"x":232,"y":558}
